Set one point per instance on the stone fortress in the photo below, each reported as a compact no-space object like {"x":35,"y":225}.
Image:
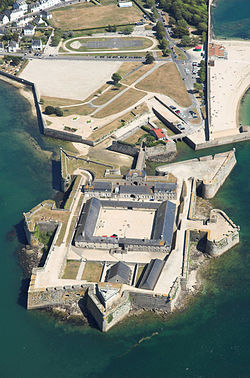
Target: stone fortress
{"x":122,"y":242}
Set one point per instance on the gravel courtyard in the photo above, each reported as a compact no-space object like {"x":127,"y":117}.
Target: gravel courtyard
{"x":74,"y":79}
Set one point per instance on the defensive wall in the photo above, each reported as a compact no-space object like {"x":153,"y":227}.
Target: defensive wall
{"x":56,"y":296}
{"x":217,"y":247}
{"x":107,"y":317}
{"x":161,"y":152}
{"x":124,"y":148}
{"x":210,"y":188}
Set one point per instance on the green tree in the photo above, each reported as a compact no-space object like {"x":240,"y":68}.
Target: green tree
{"x":149,"y":59}
{"x":198,"y":86}
{"x":59,"y":112}
{"x":186,"y":41}
{"x":116,"y":77}
{"x":49,"y":110}
{"x":164,"y":43}
{"x":127,"y":30}
{"x":16,"y":60}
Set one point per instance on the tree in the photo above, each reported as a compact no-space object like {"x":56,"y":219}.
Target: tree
{"x":198,"y":86}
{"x":16,"y":60}
{"x":186,"y":41}
{"x":116,"y":77}
{"x":166,"y":52}
{"x":59,"y":112}
{"x":111,"y":28}
{"x":49,"y":110}
{"x":127,"y":30}
{"x":149,"y":59}
{"x":164,"y":44}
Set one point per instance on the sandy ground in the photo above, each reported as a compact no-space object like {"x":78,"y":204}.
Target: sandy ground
{"x":68,"y":79}
{"x":229,"y":80}
{"x":125,"y":223}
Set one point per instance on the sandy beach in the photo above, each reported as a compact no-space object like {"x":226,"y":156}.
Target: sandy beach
{"x":229,"y":80}
{"x":67,"y":78}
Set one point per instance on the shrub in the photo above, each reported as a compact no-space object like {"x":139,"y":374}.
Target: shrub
{"x":49,"y":110}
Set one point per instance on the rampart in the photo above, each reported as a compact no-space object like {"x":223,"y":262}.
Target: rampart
{"x":124,"y":148}
{"x":217,"y":247}
{"x":56,"y":296}
{"x":210,"y":188}
{"x":159,"y":153}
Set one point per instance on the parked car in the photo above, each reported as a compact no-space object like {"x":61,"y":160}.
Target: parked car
{"x":172,"y":107}
{"x":177,"y":111}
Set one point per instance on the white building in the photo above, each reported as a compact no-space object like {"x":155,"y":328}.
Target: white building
{"x":4,"y":19}
{"x":35,"y":7}
{"x":13,"y":46}
{"x":46,"y":15}
{"x":37,"y":45}
{"x":29,"y":30}
{"x":20,"y":4}
{"x":16,"y":14}
{"x":125,"y":4}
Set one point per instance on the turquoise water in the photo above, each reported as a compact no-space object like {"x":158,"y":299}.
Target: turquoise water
{"x":210,"y":339}
{"x":231,"y":19}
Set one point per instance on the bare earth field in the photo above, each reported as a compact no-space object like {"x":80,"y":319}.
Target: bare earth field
{"x":68,"y":79}
{"x":167,"y":80}
{"x":87,"y":15}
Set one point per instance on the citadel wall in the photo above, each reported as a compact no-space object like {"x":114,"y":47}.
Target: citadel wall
{"x":210,"y":188}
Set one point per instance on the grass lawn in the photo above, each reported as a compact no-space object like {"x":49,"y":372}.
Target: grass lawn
{"x":146,"y":43}
{"x":137,"y":74}
{"x":127,"y":67}
{"x":134,"y":138}
{"x":56,"y":101}
{"x":71,"y":269}
{"x":107,"y":95}
{"x":88,"y":15}
{"x":167,"y":80}
{"x":140,"y":270}
{"x":80,"y":110}
{"x":92,"y":271}
{"x":121,"y":103}
{"x":179,"y":53}
{"x":118,"y":122}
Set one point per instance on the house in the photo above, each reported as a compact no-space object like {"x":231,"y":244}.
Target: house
{"x":37,"y":45}
{"x":16,"y":14}
{"x":21,"y":4}
{"x":29,"y":30}
{"x":13,"y":46}
{"x":217,"y":51}
{"x":46,"y":15}
{"x":119,"y":273}
{"x":4,"y":19}
{"x":35,"y":7}
{"x":158,"y":133}
{"x":38,"y":20}
{"x":1,"y":47}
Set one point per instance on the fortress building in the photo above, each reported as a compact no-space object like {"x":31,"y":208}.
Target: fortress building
{"x":94,"y":232}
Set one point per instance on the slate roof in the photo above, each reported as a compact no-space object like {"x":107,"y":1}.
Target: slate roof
{"x":151,"y":275}
{"x":164,"y":187}
{"x":164,"y":222}
{"x":133,"y":189}
{"x":103,"y":186}
{"x":119,"y":272}
{"x":88,"y":219}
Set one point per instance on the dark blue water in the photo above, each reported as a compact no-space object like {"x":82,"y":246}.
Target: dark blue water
{"x":210,"y":339}
{"x":231,"y":19}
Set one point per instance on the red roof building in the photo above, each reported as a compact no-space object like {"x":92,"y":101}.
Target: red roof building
{"x":217,"y":51}
{"x":159,"y":134}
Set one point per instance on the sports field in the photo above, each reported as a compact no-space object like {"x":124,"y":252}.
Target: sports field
{"x":88,"y":15}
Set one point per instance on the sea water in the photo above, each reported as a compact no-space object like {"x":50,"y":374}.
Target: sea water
{"x":209,"y":339}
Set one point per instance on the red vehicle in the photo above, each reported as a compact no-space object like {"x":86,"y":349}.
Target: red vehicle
{"x":177,"y":111}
